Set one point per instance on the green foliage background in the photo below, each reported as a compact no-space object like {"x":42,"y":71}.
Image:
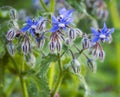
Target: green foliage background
{"x":104,"y":83}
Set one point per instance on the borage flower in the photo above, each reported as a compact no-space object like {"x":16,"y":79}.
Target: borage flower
{"x":32,"y":25}
{"x":103,"y":34}
{"x":65,"y":18}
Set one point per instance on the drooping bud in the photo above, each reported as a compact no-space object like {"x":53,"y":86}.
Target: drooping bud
{"x":13,"y":14}
{"x":52,"y":45}
{"x":109,"y":39}
{"x":11,"y":48}
{"x":41,"y":43}
{"x":72,"y":34}
{"x":85,"y":42}
{"x":95,"y":53}
{"x":92,"y":65}
{"x":101,"y":55}
{"x":11,"y":34}
{"x":59,"y":45}
{"x":75,"y":65}
{"x":30,"y":60}
{"x":79,"y":32}
{"x":68,"y":41}
{"x":26,"y":47}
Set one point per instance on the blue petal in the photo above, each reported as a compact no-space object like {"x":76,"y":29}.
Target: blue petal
{"x":29,"y":21}
{"x":25,"y":28}
{"x":94,"y":31}
{"x":54,"y":19}
{"x":104,"y":29}
{"x":54,"y":28}
{"x":32,"y":32}
{"x":111,"y":30}
{"x":68,"y":21}
{"x":62,"y":11}
{"x":95,"y":39}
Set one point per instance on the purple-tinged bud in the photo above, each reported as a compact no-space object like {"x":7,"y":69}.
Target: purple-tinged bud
{"x":26,"y":47}
{"x":68,"y":41}
{"x":95,"y":53}
{"x":41,"y":43}
{"x":75,"y":65}
{"x":79,"y":32}
{"x":101,"y":55}
{"x":59,"y":45}
{"x":13,"y":14}
{"x":85,"y":42}
{"x":11,"y":48}
{"x":52,"y":46}
{"x":72,"y":34}
{"x":11,"y":34}
{"x":92,"y":65}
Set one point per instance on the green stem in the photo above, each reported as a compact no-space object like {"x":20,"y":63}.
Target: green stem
{"x":10,"y":88}
{"x":24,"y":88}
{"x":59,"y":81}
{"x":52,"y":5}
{"x":60,"y":77}
{"x":44,"y":6}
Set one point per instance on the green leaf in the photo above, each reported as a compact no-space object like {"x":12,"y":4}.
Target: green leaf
{"x":38,"y":87}
{"x":45,"y":63}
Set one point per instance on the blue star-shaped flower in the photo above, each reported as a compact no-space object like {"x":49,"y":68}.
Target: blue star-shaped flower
{"x":31,"y":25}
{"x":61,"y":22}
{"x":102,"y":34}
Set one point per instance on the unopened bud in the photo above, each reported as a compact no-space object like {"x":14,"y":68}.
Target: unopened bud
{"x":92,"y":65}
{"x":72,"y":34}
{"x":68,"y":41}
{"x":11,"y":48}
{"x":26,"y":47}
{"x":52,"y":46}
{"x":13,"y":14}
{"x":30,"y":60}
{"x":75,"y":65}
{"x":79,"y":32}
{"x":101,"y":55}
{"x":59,"y":45}
{"x":85,"y":43}
{"x":109,"y":39}
{"x":11,"y":34}
{"x":95,"y":53}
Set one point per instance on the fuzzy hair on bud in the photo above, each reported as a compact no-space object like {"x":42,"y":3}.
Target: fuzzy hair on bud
{"x":11,"y":34}
{"x":26,"y":47}
{"x":52,"y":45}
{"x":13,"y":14}
{"x":101,"y":55}
{"x":79,"y":32}
{"x":72,"y":34}
{"x":59,"y":45}
{"x":75,"y":65}
{"x":85,"y":43}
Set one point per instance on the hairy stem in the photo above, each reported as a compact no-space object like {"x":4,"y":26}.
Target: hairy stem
{"x":44,"y":6}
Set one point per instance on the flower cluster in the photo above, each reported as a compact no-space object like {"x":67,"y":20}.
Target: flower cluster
{"x":61,"y":32}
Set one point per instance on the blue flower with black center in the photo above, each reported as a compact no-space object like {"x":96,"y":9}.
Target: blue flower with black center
{"x":65,"y":18}
{"x":103,"y":34}
{"x":31,"y":25}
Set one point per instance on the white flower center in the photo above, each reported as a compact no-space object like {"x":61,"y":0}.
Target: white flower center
{"x":33,"y":26}
{"x":102,"y":36}
{"x":61,"y":25}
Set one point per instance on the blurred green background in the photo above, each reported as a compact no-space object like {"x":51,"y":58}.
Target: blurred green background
{"x":106,"y":81}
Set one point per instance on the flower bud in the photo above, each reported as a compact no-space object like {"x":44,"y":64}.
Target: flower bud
{"x":59,"y":45}
{"x":85,"y":43}
{"x":41,"y":43}
{"x":95,"y":53}
{"x":30,"y":60}
{"x":101,"y":55}
{"x":79,"y":32}
{"x":13,"y":14}
{"x":11,"y":34}
{"x":11,"y":48}
{"x":72,"y":34}
{"x":75,"y":65}
{"x":68,"y":41}
{"x":109,"y":39}
{"x":92,"y":65}
{"x":52,"y":46}
{"x":26,"y":47}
